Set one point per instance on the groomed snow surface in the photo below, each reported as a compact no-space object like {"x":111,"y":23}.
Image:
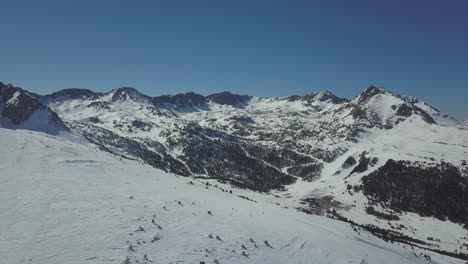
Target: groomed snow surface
{"x":64,"y":201}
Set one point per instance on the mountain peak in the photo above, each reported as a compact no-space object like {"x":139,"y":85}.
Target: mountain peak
{"x":126,"y":89}
{"x":21,"y":109}
{"x":127,"y":93}
{"x":72,"y":93}
{"x":228,"y":98}
{"x":324,"y":96}
{"x":377,"y":107}
{"x":179,"y":101}
{"x":370,"y":92}
{"x":320,"y":96}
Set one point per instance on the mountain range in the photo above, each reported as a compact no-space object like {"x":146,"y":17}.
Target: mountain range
{"x":388,"y":164}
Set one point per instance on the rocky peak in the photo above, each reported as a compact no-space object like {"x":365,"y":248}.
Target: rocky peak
{"x":179,"y":101}
{"x":324,"y":96}
{"x":370,"y":92}
{"x":291,"y":98}
{"x":18,"y":106}
{"x":321,"y":96}
{"x":227,"y":98}
{"x":388,"y":109}
{"x":72,"y":94}
{"x":127,"y":93}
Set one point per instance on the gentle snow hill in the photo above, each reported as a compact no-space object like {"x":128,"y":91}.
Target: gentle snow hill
{"x":65,"y":201}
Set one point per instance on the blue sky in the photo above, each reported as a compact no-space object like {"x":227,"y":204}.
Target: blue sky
{"x":263,"y":48}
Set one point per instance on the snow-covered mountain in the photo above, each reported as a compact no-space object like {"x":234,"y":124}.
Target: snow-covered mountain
{"x":389,"y":164}
{"x":257,"y":143}
{"x":23,"y":110}
{"x":66,"y":201}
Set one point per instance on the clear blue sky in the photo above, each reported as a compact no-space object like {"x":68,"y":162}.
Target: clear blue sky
{"x":263,"y":48}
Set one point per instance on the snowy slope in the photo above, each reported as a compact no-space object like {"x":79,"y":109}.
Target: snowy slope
{"x":65,"y":201}
{"x":465,"y":124}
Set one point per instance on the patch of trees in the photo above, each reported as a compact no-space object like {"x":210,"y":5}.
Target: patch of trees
{"x":309,"y":172}
{"x":206,"y":152}
{"x":364,"y":163}
{"x":111,"y":142}
{"x":276,"y":156}
{"x":221,"y":156}
{"x":394,"y":236}
{"x":382,"y":215}
{"x":319,"y":205}
{"x":439,"y":191}
{"x":349,"y":162}
{"x":355,"y":188}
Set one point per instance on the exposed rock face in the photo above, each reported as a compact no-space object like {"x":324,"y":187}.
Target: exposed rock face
{"x":128,"y":93}
{"x":18,"y":105}
{"x":324,"y":96}
{"x":19,"y":108}
{"x":180,"y":101}
{"x":370,"y":92}
{"x":99,"y":105}
{"x":404,"y":110}
{"x":227,"y":98}
{"x":71,"y":94}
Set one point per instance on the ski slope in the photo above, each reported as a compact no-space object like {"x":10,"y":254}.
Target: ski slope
{"x":65,"y":201}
